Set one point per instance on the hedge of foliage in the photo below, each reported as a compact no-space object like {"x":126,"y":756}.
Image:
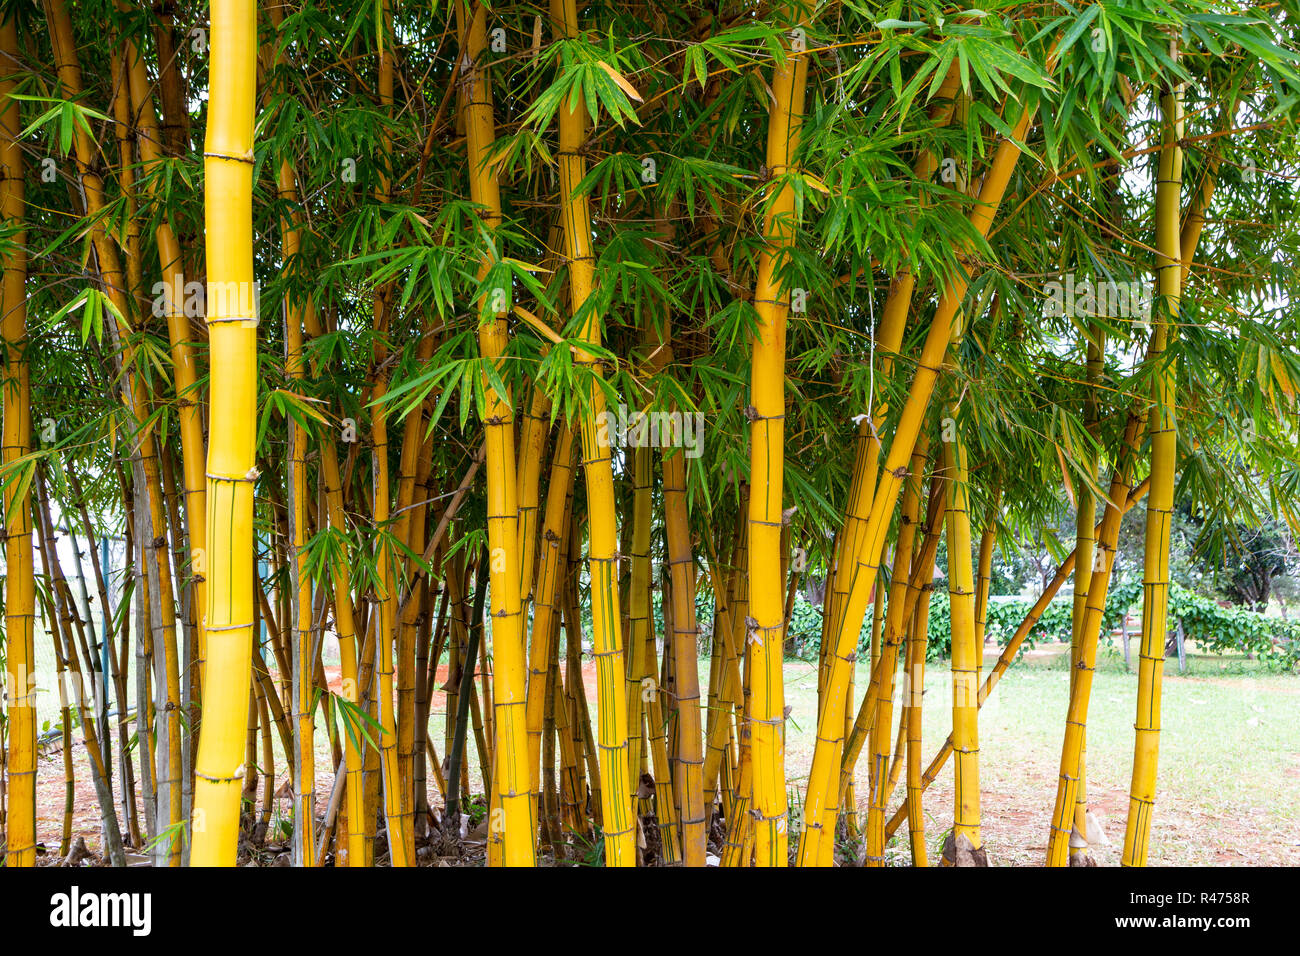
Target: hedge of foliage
{"x":1216,"y":629}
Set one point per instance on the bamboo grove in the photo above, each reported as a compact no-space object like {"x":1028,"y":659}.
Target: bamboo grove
{"x":433,"y":362}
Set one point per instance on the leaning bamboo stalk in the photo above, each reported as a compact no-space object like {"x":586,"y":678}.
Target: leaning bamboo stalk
{"x":735,"y":850}
{"x":232,"y":334}
{"x":533,"y":437}
{"x":864,"y":722}
{"x":546,"y":595}
{"x":300,"y":597}
{"x":888,"y":340}
{"x":300,"y":584}
{"x":117,"y":671}
{"x":144,"y":709}
{"x":1081,"y":686}
{"x":880,"y":691}
{"x":831,"y":724}
{"x":65,"y":721}
{"x":921,"y":579}
{"x":301,"y":606}
{"x":984,"y":570}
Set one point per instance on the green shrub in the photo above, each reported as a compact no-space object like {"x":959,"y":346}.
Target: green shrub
{"x":1218,"y":629}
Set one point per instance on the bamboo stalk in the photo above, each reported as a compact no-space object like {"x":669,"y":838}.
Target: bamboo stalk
{"x":888,"y":340}
{"x":546,"y":600}
{"x":228,"y":167}
{"x":766,"y":714}
{"x":967,"y":844}
{"x":1164,"y":459}
{"x":117,"y":670}
{"x":616,"y":809}
{"x":1084,"y":548}
{"x":639,"y":604}
{"x":916,"y":650}
{"x":151,"y":548}
{"x":20,"y":587}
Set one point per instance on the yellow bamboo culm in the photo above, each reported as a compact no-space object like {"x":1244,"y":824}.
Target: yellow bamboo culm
{"x":533,"y":438}
{"x":302,"y":685}
{"x":617,"y":790}
{"x":689,"y":777}
{"x":511,"y":827}
{"x":20,"y":590}
{"x":916,"y":650}
{"x":232,"y":336}
{"x":304,"y":760}
{"x":638,"y":614}
{"x":546,"y":600}
{"x":984,"y":572}
{"x":888,"y":340}
{"x":1164,"y":454}
{"x":1084,"y":550}
{"x":766,"y":629}
{"x":398,"y":811}
{"x":967,"y":845}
